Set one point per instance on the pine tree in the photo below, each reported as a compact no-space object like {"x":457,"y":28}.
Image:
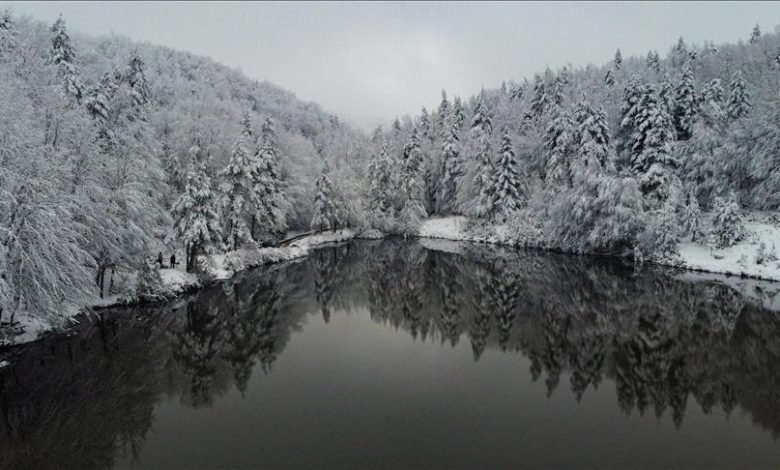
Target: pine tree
{"x":481,"y":128}
{"x":691,"y":218}
{"x":712,"y":110}
{"x":458,"y":113}
{"x":559,"y":144}
{"x":63,"y":56}
{"x":666,"y":95}
{"x":442,"y":114}
{"x":632,"y":94}
{"x":685,"y":104}
{"x":149,"y":281}
{"x":452,"y":169}
{"x":326,"y":213}
{"x":97,"y":98}
{"x":618,"y":60}
{"x":654,"y":61}
{"x":269,"y":183}
{"x":561,"y":81}
{"x":755,"y":35}
{"x":591,"y":135}
{"x":239,"y":194}
{"x":425,"y":124}
{"x":727,"y":226}
{"x":516,"y":91}
{"x":609,"y":78}
{"x":196,"y":222}
{"x":140,"y":91}
{"x":380,"y":185}
{"x":651,"y":143}
{"x":413,"y":186}
{"x":738,"y":105}
{"x":540,"y":102}
{"x":510,"y":194}
{"x":8,"y":35}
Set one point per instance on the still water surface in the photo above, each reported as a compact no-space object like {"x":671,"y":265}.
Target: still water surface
{"x":390,"y":354}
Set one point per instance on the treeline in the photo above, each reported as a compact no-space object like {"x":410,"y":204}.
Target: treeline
{"x":621,"y":158}
{"x":111,"y":151}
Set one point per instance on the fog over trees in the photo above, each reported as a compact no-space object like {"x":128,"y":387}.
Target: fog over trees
{"x":112,"y":151}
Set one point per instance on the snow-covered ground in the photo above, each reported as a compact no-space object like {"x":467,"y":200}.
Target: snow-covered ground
{"x":739,"y":259}
{"x":178,"y":281}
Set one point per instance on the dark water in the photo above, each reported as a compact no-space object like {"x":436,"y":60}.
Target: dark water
{"x":387,"y":354}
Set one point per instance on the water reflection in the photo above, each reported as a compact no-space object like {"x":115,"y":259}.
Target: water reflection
{"x":88,"y":399}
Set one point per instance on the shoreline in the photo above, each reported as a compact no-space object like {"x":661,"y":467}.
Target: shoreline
{"x":224,"y":267}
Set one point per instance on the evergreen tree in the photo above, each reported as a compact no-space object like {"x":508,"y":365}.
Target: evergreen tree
{"x":97,"y":98}
{"x":561,"y":81}
{"x":591,"y":135}
{"x":63,"y":56}
{"x":140,"y":90}
{"x":666,"y":95}
{"x":738,"y":105}
{"x":712,"y":110}
{"x":239,"y":194}
{"x":196,"y":223}
{"x":727,"y":226}
{"x":685,"y":104}
{"x":481,"y":129}
{"x":559,"y":144}
{"x":632,"y":94}
{"x":618,"y":60}
{"x":517,"y":91}
{"x":458,"y":113}
{"x":510,"y":194}
{"x":654,"y":61}
{"x":540,"y":102}
{"x":8,"y":35}
{"x":380,"y":186}
{"x":651,"y":143}
{"x":452,"y":169}
{"x":326,"y":211}
{"x":149,"y":281}
{"x":425,"y":124}
{"x":609,"y":78}
{"x":269,"y":183}
{"x":755,"y":35}
{"x":691,"y":218}
{"x":442,"y":115}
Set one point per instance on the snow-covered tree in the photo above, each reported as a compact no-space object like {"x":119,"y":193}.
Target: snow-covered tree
{"x":8,"y":35}
{"x":510,"y":192}
{"x":738,"y":105}
{"x":269,"y":214}
{"x":149,"y":281}
{"x":326,"y":211}
{"x":618,"y":61}
{"x":755,"y":35}
{"x":136,"y":78}
{"x":651,"y":143}
{"x":540,"y":101}
{"x":727,"y":226}
{"x":686,"y":104}
{"x":559,"y":145}
{"x":458,"y":113}
{"x":412,"y":184}
{"x":654,"y":61}
{"x":240,"y":195}
{"x":381,"y":183}
{"x":452,"y":169}
{"x":691,"y":218}
{"x":609,"y":78}
{"x":425,"y":124}
{"x":591,"y":135}
{"x":62,"y":55}
{"x":483,"y":206}
{"x":196,"y":221}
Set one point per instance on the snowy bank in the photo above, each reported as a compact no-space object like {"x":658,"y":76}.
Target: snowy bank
{"x":176,"y":282}
{"x":740,"y":259}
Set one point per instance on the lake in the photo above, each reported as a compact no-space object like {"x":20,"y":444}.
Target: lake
{"x":406,"y":353}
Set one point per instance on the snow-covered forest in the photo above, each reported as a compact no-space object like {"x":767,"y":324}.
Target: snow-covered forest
{"x":113,"y":151}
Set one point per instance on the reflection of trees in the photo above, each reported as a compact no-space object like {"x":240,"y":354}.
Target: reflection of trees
{"x":82,"y":400}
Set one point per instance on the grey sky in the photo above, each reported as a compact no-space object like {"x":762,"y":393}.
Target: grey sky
{"x":367,"y":61}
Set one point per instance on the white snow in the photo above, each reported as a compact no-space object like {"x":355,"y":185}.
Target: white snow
{"x":177,"y":281}
{"x":323,"y":238}
{"x":448,"y":228}
{"x":738,"y":259}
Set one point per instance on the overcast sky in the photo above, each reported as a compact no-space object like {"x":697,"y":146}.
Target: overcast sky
{"x":367,"y":61}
